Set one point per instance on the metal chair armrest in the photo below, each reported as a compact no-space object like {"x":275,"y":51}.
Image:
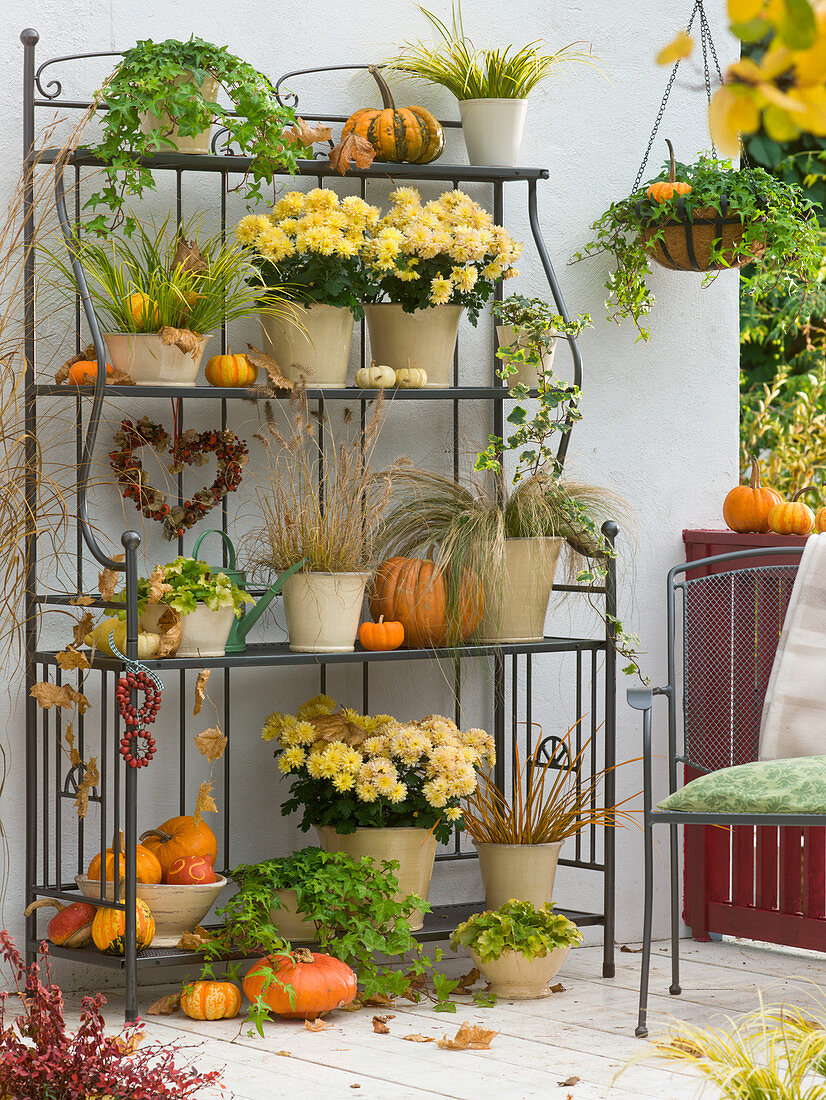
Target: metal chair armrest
{"x":640,"y":698}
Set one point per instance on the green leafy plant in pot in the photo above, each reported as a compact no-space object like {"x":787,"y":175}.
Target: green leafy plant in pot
{"x":518,"y":947}
{"x":528,"y":332}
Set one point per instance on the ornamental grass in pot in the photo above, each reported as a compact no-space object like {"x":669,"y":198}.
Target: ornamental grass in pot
{"x":313,"y":243}
{"x":376,"y":786}
{"x":518,"y":947}
{"x":425,"y":264}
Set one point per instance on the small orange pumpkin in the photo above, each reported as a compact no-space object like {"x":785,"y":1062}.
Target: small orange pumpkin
{"x":180,"y":836}
{"x":148,"y":866}
{"x":664,"y":190}
{"x":144,"y":311}
{"x":320,"y":983}
{"x":109,"y":929}
{"x":397,"y":134}
{"x":820,"y":520}
{"x":381,"y":635}
{"x":211,"y":1000}
{"x":794,"y":517}
{"x":230,"y":370}
{"x":190,"y":871}
{"x":747,"y":507}
{"x":86,"y":371}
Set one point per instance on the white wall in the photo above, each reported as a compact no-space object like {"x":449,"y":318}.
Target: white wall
{"x":660,"y":420}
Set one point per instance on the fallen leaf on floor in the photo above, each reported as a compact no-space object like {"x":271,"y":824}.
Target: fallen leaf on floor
{"x":200,"y":689}
{"x":630,"y":950}
{"x":469,"y":1037}
{"x":165,"y":1006}
{"x":355,"y":1086}
{"x":130,"y":1045}
{"x":353,"y":1006}
{"x":283,"y":1053}
{"x":467,"y":980}
{"x":416,"y":1038}
{"x":192,"y":941}
{"x":380,"y":1024}
{"x":558,"y":988}
{"x":378,"y":1000}
{"x":317,"y":1025}
{"x":568,"y":1081}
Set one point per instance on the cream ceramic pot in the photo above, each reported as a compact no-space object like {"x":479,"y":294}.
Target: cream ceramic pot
{"x":425,"y":338}
{"x":311,"y":343}
{"x":526,"y":374}
{"x":204,"y":632}
{"x":522,"y":871}
{"x":514,"y":977}
{"x":492,"y":130}
{"x":291,"y":924}
{"x":197,"y":143}
{"x":323,"y":610}
{"x":149,"y":362}
{"x":517,"y":613}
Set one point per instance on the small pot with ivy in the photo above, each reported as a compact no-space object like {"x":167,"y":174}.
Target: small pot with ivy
{"x":518,"y":947}
{"x":528,"y":331}
{"x":707,"y":217}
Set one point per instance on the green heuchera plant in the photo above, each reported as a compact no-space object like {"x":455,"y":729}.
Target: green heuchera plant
{"x":192,"y":582}
{"x":165,"y":79}
{"x":781,"y":231}
{"x":516,"y":926}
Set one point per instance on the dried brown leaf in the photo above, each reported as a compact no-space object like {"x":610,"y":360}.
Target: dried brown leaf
{"x":317,"y":1025}
{"x":266,"y":363}
{"x":200,"y":689}
{"x":204,"y":803}
{"x":74,"y":756}
{"x":82,"y":627}
{"x":283,"y":1053}
{"x":353,"y":1006}
{"x":309,"y":135}
{"x":50,"y":695}
{"x":165,"y":1006}
{"x":558,"y":988}
{"x":108,"y":579}
{"x":182,"y":338}
{"x":192,"y":941}
{"x":188,"y":256}
{"x":158,"y":588}
{"x":416,"y":1038}
{"x":211,"y":744}
{"x":467,"y":980}
{"x":626,"y":950}
{"x":335,"y":727}
{"x":81,"y":601}
{"x":378,"y":1000}
{"x":70,"y":658}
{"x":130,"y":1045}
{"x":169,"y":626}
{"x":352,"y":151}
{"x":91,"y":778}
{"x":572,"y":1080}
{"x":380,"y":1024}
{"x":469,"y":1037}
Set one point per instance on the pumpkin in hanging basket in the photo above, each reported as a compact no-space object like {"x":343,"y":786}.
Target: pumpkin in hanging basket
{"x":793,"y":517}
{"x":320,"y":983}
{"x":178,"y":838}
{"x":398,"y":134}
{"x":747,"y":507}
{"x":412,"y":591}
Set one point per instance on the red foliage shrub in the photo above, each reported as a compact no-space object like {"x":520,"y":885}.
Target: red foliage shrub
{"x":41,"y":1060}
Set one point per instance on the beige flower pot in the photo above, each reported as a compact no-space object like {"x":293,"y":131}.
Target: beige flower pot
{"x":492,"y":129}
{"x":148,"y":362}
{"x":425,"y":339}
{"x":323,"y":610}
{"x":311,"y":343}
{"x":413,"y":849}
{"x":175,"y":909}
{"x":197,"y":143}
{"x":204,"y":632}
{"x":517,"y":613}
{"x":526,"y":374}
{"x":522,"y":871}
{"x":514,"y":977}
{"x":289,"y":923}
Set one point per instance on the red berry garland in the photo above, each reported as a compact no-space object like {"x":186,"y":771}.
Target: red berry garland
{"x":190,"y":449}
{"x":135,"y":754}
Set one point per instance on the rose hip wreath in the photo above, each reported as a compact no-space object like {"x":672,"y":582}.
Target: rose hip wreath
{"x":191,"y":448}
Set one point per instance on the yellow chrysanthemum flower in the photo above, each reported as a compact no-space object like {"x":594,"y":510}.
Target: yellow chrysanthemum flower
{"x":291,"y":759}
{"x":440,"y":291}
{"x":464,"y":278}
{"x":289,"y":205}
{"x":320,"y":198}
{"x":343,"y":782}
{"x":366,"y":792}
{"x":247,"y":229}
{"x":315,"y":765}
{"x":398,"y":793}
{"x":453,"y":813}
{"x":315,"y":707}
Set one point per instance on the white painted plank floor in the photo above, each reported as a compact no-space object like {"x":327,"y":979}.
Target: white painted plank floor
{"x":586,"y":1032}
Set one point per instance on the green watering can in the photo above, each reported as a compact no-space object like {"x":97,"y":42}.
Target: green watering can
{"x":236,"y":643}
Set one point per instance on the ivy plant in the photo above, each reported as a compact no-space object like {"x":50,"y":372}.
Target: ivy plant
{"x":189,"y":582}
{"x":781,"y":232}
{"x":166,"y":80}
{"x":516,"y":926}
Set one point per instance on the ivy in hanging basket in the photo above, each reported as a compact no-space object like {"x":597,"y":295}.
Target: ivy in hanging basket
{"x":725,"y":217}
{"x":190,"y":448}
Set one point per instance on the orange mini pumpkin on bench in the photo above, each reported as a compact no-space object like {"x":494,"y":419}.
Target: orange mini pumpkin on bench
{"x":747,"y":507}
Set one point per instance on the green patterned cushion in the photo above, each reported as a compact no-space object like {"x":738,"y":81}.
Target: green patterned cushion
{"x":795,"y":786}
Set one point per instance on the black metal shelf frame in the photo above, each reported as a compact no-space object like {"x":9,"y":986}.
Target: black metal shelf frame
{"x":49,"y":873}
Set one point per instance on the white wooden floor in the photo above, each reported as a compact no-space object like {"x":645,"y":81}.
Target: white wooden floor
{"x":585,"y":1032}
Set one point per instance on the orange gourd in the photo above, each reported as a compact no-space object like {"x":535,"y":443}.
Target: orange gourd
{"x":820,"y":520}
{"x":148,"y":866}
{"x":381,"y":635}
{"x":72,"y":924}
{"x":397,"y":134}
{"x":109,"y":929}
{"x":230,"y":370}
{"x":179,"y":837}
{"x":320,"y":983}
{"x":747,"y":507}
{"x":793,"y":517}
{"x":144,"y":311}
{"x":412,"y":591}
{"x":211,"y":1000}
{"x":667,"y":189}
{"x":86,"y":371}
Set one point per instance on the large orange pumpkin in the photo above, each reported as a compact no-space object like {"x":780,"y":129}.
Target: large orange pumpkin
{"x":792,"y":518}
{"x":109,"y":929}
{"x":211,"y":1000}
{"x":230,"y":370}
{"x":397,"y":134}
{"x":412,"y":591}
{"x":148,"y":866}
{"x":320,"y":983}
{"x":179,"y":837}
{"x":747,"y":507}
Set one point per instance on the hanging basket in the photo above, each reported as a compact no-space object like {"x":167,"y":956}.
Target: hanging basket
{"x":686,"y":243}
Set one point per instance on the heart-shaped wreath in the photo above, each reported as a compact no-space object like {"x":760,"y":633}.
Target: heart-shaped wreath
{"x":191,"y":448}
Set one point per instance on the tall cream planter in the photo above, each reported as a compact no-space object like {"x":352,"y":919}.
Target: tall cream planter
{"x":526,"y":373}
{"x":517,"y":613}
{"x":323,"y":610}
{"x":311,"y":343}
{"x":513,"y":976}
{"x":413,"y":849}
{"x":197,"y":143}
{"x":492,"y":130}
{"x":425,"y":338}
{"x":522,"y":871}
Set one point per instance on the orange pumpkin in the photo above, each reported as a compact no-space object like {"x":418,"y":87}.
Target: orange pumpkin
{"x":109,"y":929}
{"x":397,"y":134}
{"x":144,"y":311}
{"x":190,"y":871}
{"x":180,"y":836}
{"x":667,"y":189}
{"x":72,"y":924}
{"x":412,"y":591}
{"x":381,"y":635}
{"x":86,"y":371}
{"x":820,"y":520}
{"x":148,"y":865}
{"x":211,"y":1000}
{"x":747,"y":507}
{"x":230,"y":370}
{"x":320,"y":983}
{"x":792,"y":518}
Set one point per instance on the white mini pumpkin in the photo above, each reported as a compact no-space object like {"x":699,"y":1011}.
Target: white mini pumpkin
{"x":411,"y":378}
{"x":375,"y":377}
